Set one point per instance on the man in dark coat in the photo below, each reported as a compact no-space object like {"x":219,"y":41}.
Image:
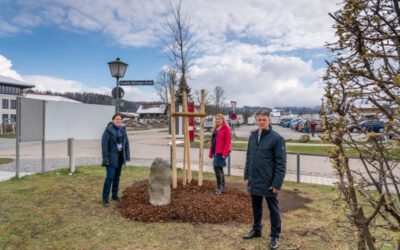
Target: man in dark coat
{"x":264,"y":173}
{"x":115,"y":153}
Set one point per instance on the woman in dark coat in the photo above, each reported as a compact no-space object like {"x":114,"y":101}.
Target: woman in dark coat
{"x":115,"y":152}
{"x":220,"y":149}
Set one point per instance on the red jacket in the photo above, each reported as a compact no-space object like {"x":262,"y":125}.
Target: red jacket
{"x":223,"y":142}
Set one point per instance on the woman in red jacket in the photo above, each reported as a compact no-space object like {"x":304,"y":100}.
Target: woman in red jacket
{"x":220,"y":149}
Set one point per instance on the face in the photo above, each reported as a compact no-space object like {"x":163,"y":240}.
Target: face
{"x":262,"y":121}
{"x":218,"y":121}
{"x":117,"y":121}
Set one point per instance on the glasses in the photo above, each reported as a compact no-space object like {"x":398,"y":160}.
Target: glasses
{"x":118,"y":119}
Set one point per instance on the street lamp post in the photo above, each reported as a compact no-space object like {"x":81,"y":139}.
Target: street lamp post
{"x":117,"y":69}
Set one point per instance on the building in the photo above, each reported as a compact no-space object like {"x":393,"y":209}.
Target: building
{"x":9,"y":90}
{"x":151,"y":110}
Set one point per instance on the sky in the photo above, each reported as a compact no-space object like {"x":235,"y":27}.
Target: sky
{"x":261,"y":52}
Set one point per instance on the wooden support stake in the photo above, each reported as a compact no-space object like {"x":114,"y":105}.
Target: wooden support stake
{"x":201,"y":149}
{"x":173,"y":143}
{"x":188,"y":114}
{"x":184,"y":172}
{"x":186,"y":138}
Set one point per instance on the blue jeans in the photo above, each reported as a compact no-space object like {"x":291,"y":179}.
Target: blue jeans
{"x":112,"y":178}
{"x":274,"y":214}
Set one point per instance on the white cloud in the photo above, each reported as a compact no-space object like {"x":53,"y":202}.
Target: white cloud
{"x":6,"y":69}
{"x":255,"y":79}
{"x":7,"y":28}
{"x":278,"y":25}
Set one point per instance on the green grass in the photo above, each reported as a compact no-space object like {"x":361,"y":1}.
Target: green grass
{"x":5,"y":160}
{"x":58,"y":211}
{"x":7,"y":135}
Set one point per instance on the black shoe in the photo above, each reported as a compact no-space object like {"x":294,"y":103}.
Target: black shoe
{"x":252,"y":234}
{"x":106,"y":204}
{"x":274,"y":243}
{"x":116,"y":198}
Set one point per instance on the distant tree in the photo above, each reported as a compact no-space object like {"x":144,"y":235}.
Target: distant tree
{"x":218,"y":98}
{"x":163,"y":84}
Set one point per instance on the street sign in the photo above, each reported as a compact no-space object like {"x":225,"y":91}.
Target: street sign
{"x":114,"y":92}
{"x":136,"y":82}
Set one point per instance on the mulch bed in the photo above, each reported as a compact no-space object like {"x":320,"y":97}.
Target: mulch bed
{"x":194,"y":204}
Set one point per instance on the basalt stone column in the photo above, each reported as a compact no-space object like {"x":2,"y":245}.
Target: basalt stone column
{"x":159,"y":187}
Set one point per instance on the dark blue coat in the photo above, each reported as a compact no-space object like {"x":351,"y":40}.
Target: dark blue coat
{"x":109,"y":146}
{"x":265,"y":162}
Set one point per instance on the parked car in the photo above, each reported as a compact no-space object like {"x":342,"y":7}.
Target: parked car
{"x":293,"y":121}
{"x":284,"y":120}
{"x":287,"y":123}
{"x":368,"y":125}
{"x":209,"y":123}
{"x":294,"y":125}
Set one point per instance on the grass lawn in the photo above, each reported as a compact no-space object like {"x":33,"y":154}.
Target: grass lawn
{"x":7,"y":135}
{"x":6,"y":160}
{"x":58,"y":211}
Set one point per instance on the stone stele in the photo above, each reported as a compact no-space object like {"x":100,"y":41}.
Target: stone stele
{"x":159,"y":187}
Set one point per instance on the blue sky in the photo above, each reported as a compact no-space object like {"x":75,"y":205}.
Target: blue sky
{"x":261,"y":52}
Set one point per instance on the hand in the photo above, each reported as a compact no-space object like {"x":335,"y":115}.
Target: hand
{"x":275,"y":190}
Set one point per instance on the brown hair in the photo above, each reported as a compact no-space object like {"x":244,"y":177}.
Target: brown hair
{"x":115,"y":115}
{"x":223,"y":120}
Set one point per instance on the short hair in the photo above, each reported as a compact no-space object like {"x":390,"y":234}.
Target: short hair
{"x":116,"y":114}
{"x":263,"y":112}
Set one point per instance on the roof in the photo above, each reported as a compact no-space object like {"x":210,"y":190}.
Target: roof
{"x":50,"y":98}
{"x":13,"y":82}
{"x":151,"y":109}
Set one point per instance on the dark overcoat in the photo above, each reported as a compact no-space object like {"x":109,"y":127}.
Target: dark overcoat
{"x":265,"y":162}
{"x":109,"y":146}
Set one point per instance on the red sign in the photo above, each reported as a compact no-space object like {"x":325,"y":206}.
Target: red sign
{"x":192,"y":125}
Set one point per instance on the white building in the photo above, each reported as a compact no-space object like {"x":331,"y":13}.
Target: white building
{"x":151,"y":110}
{"x":9,"y":90}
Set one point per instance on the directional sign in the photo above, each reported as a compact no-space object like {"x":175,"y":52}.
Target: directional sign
{"x":136,"y":82}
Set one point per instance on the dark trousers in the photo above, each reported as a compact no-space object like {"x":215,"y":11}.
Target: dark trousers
{"x":112,"y":178}
{"x":274,"y":214}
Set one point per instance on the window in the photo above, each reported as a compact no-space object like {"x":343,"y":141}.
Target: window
{"x":13,"y":104}
{"x":5,"y":104}
{"x":4,"y":118}
{"x":13,"y":118}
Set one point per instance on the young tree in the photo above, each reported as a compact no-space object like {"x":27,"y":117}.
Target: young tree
{"x":180,"y":47}
{"x":366,"y":69}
